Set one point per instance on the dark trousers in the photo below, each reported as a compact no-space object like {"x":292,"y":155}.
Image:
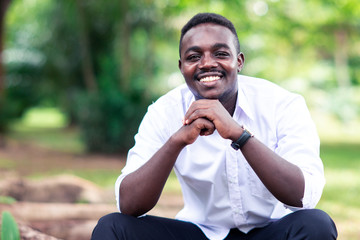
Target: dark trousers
{"x":311,"y":224}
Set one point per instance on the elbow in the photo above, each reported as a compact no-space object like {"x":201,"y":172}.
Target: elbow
{"x":133,"y":208}
{"x":135,"y":212}
{"x":130,"y":212}
{"x":297,"y":203}
{"x":129,"y":208}
{"x":292,"y":201}
{"x":295,"y":198}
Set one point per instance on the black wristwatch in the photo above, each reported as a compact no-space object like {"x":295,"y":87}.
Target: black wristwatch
{"x":245,"y":136}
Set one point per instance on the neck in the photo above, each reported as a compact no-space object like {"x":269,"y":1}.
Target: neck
{"x":230,"y":104}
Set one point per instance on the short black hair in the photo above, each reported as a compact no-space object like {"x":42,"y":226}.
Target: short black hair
{"x":201,"y":18}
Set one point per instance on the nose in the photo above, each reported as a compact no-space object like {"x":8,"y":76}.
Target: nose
{"x":207,"y":62}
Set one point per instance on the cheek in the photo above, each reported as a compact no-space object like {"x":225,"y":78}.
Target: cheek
{"x":188,"y":70}
{"x":233,"y":69}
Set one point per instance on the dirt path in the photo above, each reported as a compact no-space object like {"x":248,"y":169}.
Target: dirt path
{"x":30,"y":159}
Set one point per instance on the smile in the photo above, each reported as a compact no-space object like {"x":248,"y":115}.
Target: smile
{"x":209,"y":79}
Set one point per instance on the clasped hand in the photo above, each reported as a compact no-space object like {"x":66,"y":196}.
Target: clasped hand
{"x":203,"y":117}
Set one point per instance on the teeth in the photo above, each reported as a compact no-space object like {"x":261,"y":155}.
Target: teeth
{"x":210,"y":79}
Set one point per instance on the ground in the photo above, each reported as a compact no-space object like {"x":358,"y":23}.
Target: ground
{"x":25,"y":159}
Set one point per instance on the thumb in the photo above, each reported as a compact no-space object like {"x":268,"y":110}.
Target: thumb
{"x":206,"y":126}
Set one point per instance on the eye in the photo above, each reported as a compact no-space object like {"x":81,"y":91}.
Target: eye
{"x":193,"y":57}
{"x":221,"y":54}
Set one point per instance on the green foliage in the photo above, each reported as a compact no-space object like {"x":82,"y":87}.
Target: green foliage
{"x":61,"y":139}
{"x":7,"y":200}
{"x":109,"y":121}
{"x":10,"y":109}
{"x":20,"y":89}
{"x":9,"y":228}
{"x":58,"y":52}
{"x":23,"y":65}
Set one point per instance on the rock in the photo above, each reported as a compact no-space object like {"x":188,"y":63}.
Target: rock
{"x":61,"y":189}
{"x":27,"y":233}
{"x":81,"y":231}
{"x":35,"y":212}
{"x":61,"y":220}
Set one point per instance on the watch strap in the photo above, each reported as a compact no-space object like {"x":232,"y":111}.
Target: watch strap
{"x":245,"y":136}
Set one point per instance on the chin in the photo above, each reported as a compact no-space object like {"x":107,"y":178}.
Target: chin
{"x":197,"y":97}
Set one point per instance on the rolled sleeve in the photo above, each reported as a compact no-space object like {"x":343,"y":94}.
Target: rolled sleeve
{"x":314,"y":185}
{"x":152,"y":134}
{"x":117,"y":190}
{"x":298,"y":143}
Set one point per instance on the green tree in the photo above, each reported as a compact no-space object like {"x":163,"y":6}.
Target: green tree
{"x":103,"y":62}
{"x":98,"y":66}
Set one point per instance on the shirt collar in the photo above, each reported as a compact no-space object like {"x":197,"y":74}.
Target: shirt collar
{"x":243,"y":103}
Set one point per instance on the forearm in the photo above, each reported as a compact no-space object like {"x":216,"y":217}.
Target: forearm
{"x":140,"y":190}
{"x":282,"y":178}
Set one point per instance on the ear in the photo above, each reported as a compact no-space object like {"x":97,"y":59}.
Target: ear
{"x":240,"y":61}
{"x":180,"y":64}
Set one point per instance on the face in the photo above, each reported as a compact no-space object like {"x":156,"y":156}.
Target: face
{"x":209,"y":62}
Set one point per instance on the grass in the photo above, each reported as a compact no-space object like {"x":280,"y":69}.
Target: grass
{"x":340,"y":152}
{"x":104,"y":178}
{"x":7,"y":164}
{"x":47,"y":128}
{"x":340,"y":198}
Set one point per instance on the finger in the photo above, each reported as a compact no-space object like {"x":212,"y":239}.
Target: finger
{"x":205,"y":126}
{"x":207,"y":131}
{"x":199,"y":104}
{"x":206,"y":113}
{"x":203,"y":108}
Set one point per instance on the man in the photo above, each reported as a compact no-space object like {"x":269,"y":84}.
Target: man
{"x":261,"y":183}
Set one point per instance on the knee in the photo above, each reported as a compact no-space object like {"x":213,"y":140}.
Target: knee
{"x":108,"y":220}
{"x":108,"y":227}
{"x":316,"y":224}
{"x":115,"y":220}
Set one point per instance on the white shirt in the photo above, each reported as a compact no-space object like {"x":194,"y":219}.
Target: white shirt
{"x":220,"y":189}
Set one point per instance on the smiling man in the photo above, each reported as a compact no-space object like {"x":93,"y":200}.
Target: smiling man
{"x":237,"y":183}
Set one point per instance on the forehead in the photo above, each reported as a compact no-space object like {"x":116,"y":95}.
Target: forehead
{"x":208,"y":33}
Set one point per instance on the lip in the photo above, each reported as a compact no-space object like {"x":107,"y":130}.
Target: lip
{"x":200,"y":76}
{"x":209,"y":81}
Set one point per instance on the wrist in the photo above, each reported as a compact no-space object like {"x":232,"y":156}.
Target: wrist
{"x":242,"y":140}
{"x":177,"y":141}
{"x":236,"y":133}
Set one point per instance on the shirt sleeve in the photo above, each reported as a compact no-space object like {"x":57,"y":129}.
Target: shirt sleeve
{"x":152,"y":134}
{"x":298,"y":142}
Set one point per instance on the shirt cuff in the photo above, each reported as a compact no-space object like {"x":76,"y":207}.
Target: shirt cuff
{"x":117,"y":189}
{"x":312,"y":194}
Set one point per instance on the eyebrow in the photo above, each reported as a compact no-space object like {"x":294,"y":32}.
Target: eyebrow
{"x":215,"y":46}
{"x":221,"y":45}
{"x":194,"y":48}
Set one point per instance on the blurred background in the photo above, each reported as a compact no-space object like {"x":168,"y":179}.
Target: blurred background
{"x":77,"y":76}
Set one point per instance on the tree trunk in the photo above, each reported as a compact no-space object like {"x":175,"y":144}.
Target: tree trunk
{"x":124,"y":41}
{"x":86,"y":57}
{"x":4,"y":4}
